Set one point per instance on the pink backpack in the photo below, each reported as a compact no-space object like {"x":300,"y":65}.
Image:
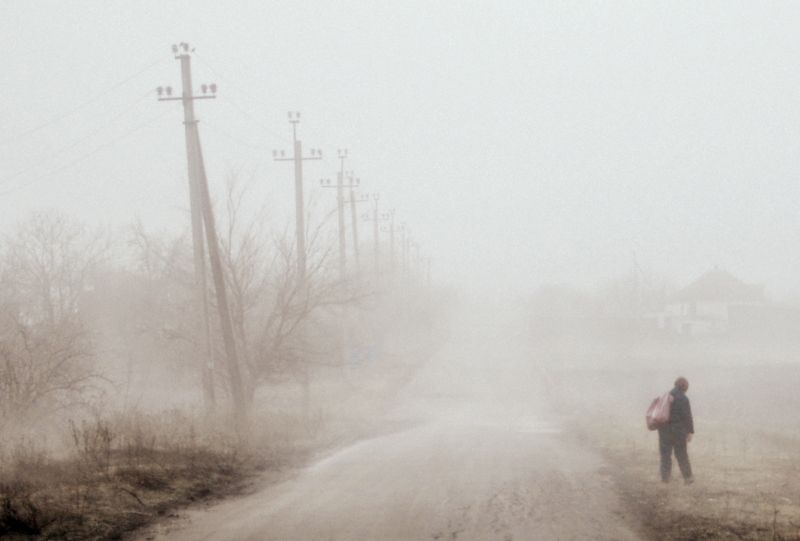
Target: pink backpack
{"x":658,"y":412}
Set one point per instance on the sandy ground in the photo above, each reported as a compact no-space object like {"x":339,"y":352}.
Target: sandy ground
{"x":483,"y":459}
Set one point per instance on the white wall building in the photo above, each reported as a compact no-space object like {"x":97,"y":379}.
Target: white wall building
{"x":707,"y":305}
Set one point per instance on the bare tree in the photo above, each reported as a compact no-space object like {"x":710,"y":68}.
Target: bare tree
{"x":283,"y":325}
{"x":45,"y":349}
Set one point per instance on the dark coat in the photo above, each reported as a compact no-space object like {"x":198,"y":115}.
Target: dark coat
{"x":680,"y":417}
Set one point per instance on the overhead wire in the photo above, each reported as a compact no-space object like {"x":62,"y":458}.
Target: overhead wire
{"x":82,"y":105}
{"x":270,"y":128}
{"x":237,"y":88}
{"x":227,"y":80}
{"x":79,"y":141}
{"x":50,"y":174}
{"x":308,"y":128}
{"x":241,"y":110}
{"x":224,"y":133}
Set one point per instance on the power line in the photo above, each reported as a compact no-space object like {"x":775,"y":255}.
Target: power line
{"x":81,"y":106}
{"x":270,"y":128}
{"x":231,"y":137}
{"x":239,"y":89}
{"x":85,"y":156}
{"x":79,"y":141}
{"x":248,"y":116}
{"x":228,"y":81}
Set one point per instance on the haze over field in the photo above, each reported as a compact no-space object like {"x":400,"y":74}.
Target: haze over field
{"x":589,"y":199}
{"x":523,"y":142}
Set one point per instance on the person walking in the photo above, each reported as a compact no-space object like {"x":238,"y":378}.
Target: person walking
{"x":676,"y":434}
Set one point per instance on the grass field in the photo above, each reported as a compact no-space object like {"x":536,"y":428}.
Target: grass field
{"x":745,"y":454}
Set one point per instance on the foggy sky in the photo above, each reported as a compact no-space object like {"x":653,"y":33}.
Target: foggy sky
{"x":523,"y":142}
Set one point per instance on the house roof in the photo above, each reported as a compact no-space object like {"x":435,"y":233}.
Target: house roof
{"x":719,"y":285}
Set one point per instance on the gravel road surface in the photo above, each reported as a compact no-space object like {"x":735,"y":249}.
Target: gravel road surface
{"x":480,"y":459}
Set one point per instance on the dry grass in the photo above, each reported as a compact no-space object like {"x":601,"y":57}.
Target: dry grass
{"x":745,"y":456}
{"x":115,"y":473}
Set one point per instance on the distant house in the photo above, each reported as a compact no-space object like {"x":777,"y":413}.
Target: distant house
{"x":710,"y":304}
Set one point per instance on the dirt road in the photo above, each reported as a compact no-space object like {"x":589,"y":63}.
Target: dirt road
{"x":482,"y":460}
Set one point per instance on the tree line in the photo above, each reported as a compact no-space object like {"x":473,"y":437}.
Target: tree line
{"x":68,"y":290}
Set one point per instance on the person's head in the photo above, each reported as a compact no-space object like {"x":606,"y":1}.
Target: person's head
{"x":682,"y":384}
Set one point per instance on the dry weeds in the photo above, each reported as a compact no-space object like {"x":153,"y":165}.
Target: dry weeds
{"x":118,"y":472}
{"x":745,"y":455}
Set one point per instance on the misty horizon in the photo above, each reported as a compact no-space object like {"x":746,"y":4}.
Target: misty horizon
{"x":523,"y":143}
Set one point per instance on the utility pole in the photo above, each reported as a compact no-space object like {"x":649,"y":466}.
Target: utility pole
{"x":353,"y":183}
{"x":635,"y":285}
{"x":326,"y":183}
{"x":403,"y":244}
{"x":237,"y":387}
{"x":376,"y":231}
{"x":316,"y":154}
{"x":202,"y":200}
{"x":196,"y":208}
{"x":417,"y":261}
{"x":407,"y":251}
{"x":428,"y":272}
{"x":390,"y":229}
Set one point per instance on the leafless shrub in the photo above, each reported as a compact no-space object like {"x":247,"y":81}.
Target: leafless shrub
{"x":18,"y":513}
{"x":45,"y":350}
{"x":24,"y":469}
{"x":93,"y":442}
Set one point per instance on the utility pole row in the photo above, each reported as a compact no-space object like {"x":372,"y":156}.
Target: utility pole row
{"x":204,"y":232}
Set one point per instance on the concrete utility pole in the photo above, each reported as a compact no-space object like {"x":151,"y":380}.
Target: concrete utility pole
{"x":417,"y":260}
{"x":353,"y":183}
{"x":403,"y":245}
{"x":406,"y":243}
{"x":635,"y":284}
{"x":195,"y":204}
{"x":316,"y":154}
{"x":428,"y":272}
{"x":407,"y":251}
{"x":390,"y":229}
{"x":202,"y":200}
{"x":326,"y":183}
{"x":376,"y":231}
{"x":237,"y":387}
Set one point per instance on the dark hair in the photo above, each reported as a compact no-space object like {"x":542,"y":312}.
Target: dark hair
{"x":682,"y":384}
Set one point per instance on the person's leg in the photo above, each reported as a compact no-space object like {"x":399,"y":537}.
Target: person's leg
{"x":682,"y":454}
{"x":665,"y":449}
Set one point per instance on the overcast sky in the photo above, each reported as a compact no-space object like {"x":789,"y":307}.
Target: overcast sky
{"x":523,"y":142}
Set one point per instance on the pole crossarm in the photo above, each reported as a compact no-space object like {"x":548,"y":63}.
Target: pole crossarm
{"x":304,"y":159}
{"x":362,"y":198}
{"x":191,"y":98}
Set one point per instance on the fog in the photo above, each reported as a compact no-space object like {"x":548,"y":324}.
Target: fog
{"x":589,"y":199}
{"x":524,"y":143}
